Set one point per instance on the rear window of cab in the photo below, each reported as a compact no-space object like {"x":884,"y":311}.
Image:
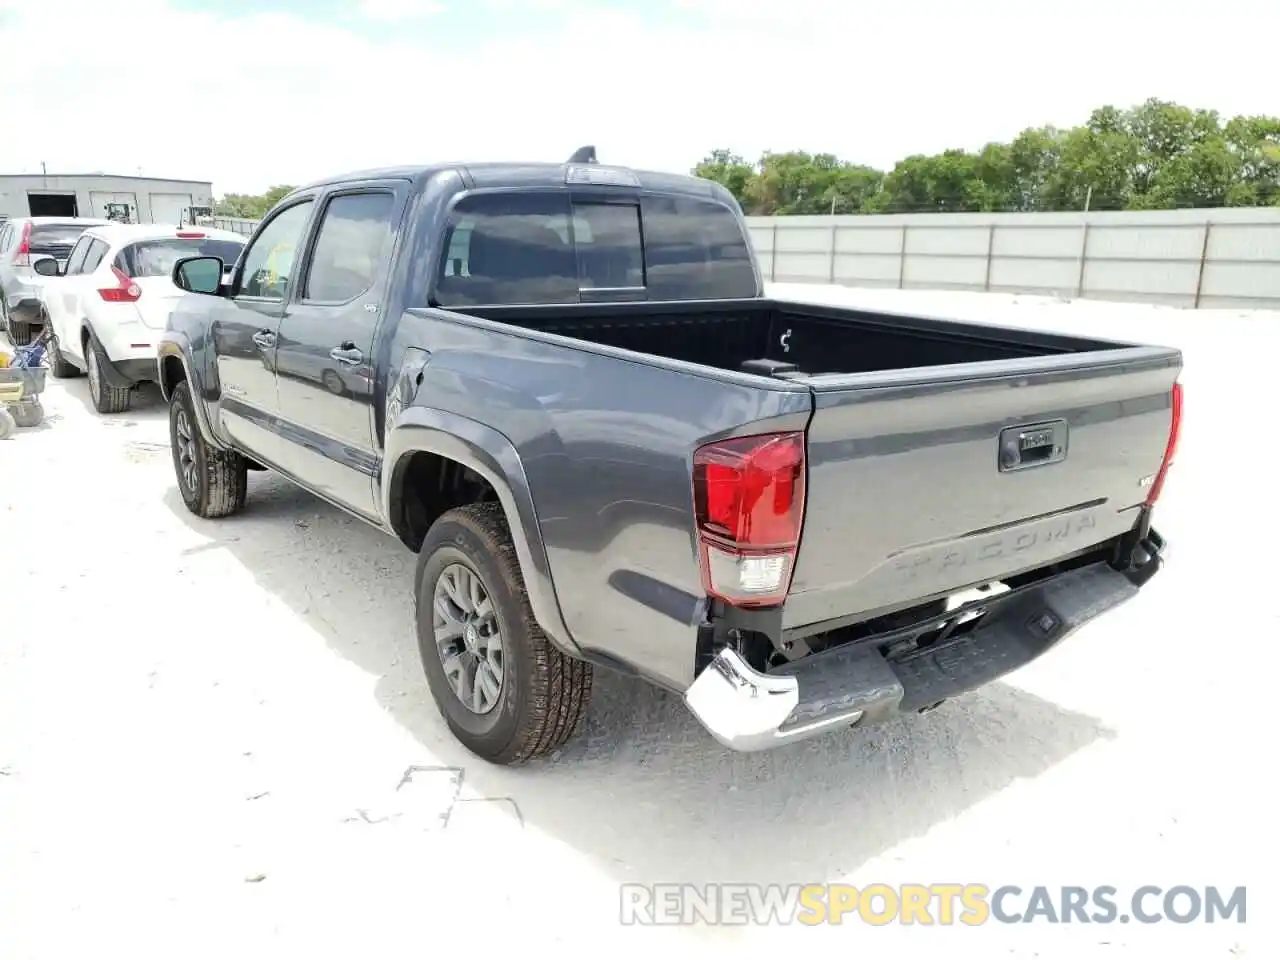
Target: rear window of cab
{"x":544,"y":248}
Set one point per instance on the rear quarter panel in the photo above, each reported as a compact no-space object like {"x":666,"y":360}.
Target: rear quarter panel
{"x":606,"y":440}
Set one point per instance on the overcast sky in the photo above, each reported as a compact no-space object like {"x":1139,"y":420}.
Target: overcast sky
{"x":250,"y":93}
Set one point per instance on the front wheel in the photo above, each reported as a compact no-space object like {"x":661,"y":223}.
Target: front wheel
{"x":503,"y":688}
{"x":105,"y":397}
{"x":213,"y":482}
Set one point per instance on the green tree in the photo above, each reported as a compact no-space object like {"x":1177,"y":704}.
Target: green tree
{"x":793,"y":182}
{"x":250,"y":206}
{"x":1094,"y":167}
{"x":1255,"y":141}
{"x":1155,"y":155}
{"x":729,"y":170}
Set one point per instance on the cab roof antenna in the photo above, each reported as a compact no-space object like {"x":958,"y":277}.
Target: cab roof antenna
{"x":584,"y":155}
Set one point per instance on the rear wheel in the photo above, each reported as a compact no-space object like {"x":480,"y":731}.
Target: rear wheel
{"x":58,"y":366}
{"x":106,"y":398}
{"x":213,"y":482}
{"x":504,"y":689}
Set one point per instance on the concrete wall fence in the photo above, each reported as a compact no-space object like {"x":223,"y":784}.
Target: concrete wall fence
{"x":239,"y":225}
{"x":1223,"y":258}
{"x":1187,"y":258}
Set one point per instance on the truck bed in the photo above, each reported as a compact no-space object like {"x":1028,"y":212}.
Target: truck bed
{"x":939,"y":455}
{"x":812,"y":340}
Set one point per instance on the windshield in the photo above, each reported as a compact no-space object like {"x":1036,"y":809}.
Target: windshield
{"x":155,"y":258}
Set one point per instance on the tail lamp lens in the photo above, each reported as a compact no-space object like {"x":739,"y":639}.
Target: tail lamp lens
{"x":1171,"y":448}
{"x":749,"y":505}
{"x":126,"y":291}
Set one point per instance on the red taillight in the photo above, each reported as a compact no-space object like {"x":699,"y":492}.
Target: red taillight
{"x":1171,"y":448}
{"x":22,"y":256}
{"x":125,"y":292}
{"x":748,"y":496}
{"x":190,"y":236}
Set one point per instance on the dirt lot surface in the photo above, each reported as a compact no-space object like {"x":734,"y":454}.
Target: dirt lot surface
{"x":216,"y":741}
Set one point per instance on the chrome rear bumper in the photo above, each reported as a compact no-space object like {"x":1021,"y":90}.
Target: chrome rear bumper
{"x":854,"y":684}
{"x":747,"y":710}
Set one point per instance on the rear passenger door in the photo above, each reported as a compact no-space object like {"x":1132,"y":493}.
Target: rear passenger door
{"x":324,"y":352}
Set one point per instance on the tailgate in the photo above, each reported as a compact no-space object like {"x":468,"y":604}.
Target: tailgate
{"x":924,"y":482}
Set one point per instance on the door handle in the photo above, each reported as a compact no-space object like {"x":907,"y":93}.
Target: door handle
{"x":265,"y":339}
{"x":347,"y":353}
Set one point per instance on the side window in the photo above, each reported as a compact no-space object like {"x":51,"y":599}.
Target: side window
{"x":350,"y":246}
{"x":75,"y":259}
{"x":6,"y":230}
{"x":97,"y":250}
{"x":268,"y":263}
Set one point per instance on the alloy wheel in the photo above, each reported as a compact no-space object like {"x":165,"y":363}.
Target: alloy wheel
{"x":468,"y":638}
{"x":186,"y":450}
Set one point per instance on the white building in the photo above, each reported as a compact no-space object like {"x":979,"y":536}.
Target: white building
{"x":151,"y":200}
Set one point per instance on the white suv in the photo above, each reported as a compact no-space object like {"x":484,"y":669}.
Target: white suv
{"x":112,"y":300}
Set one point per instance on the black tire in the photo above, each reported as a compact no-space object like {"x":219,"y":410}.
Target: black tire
{"x":20,"y":334}
{"x":220,"y":478}
{"x":105,"y":397}
{"x":544,"y":694}
{"x":58,"y":366}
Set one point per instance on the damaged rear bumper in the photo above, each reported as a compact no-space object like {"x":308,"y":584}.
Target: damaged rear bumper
{"x":748,"y":710}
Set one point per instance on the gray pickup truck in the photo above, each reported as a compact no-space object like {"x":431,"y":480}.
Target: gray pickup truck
{"x":562,"y":386}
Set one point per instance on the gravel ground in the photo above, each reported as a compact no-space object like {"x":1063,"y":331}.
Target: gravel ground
{"x":215,"y":739}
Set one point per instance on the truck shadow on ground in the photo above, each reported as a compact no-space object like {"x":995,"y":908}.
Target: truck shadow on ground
{"x":643,"y":789}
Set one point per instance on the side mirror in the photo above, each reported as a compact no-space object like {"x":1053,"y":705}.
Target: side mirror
{"x":198,"y":275}
{"x":46,"y":267}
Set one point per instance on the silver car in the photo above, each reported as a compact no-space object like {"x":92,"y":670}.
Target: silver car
{"x":24,"y":240}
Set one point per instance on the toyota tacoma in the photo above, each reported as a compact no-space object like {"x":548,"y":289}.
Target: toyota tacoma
{"x":563,"y":387}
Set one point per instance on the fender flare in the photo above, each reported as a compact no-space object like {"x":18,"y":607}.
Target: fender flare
{"x":168,"y":348}
{"x":494,"y":457}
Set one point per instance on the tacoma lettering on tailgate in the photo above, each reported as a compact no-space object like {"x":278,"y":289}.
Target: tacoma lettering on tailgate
{"x":950,"y":557}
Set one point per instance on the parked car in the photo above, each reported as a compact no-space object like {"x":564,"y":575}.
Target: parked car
{"x":110,"y":298}
{"x":609,"y":449}
{"x":22,"y":241}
